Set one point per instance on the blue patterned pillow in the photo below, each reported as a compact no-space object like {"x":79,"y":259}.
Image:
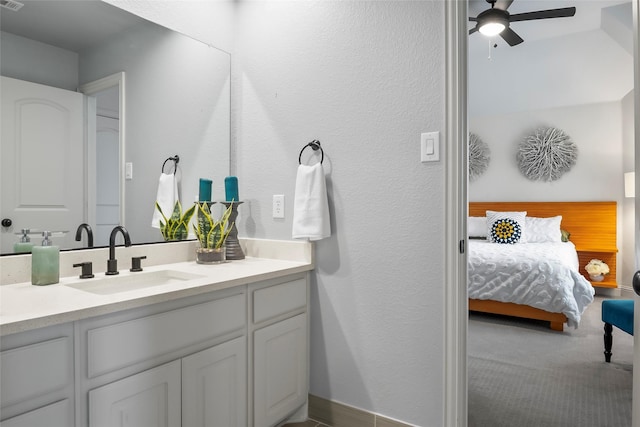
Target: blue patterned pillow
{"x":506,"y":227}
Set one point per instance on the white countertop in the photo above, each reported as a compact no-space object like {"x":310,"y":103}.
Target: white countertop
{"x":24,"y":306}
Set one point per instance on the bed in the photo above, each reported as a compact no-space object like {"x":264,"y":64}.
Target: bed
{"x":542,"y":280}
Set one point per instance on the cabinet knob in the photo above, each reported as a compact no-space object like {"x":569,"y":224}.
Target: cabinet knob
{"x":6,"y":222}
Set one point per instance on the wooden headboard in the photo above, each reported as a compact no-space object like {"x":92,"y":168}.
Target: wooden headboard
{"x":593,"y":227}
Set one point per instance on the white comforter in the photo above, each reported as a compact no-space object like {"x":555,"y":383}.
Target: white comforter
{"x":541,"y":275}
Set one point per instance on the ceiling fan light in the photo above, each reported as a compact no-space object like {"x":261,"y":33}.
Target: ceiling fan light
{"x":492,"y":28}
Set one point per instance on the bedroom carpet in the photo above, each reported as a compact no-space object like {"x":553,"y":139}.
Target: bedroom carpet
{"x":522,"y":373}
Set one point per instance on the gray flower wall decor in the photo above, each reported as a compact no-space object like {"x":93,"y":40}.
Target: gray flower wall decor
{"x":479,"y":157}
{"x":546,"y":155}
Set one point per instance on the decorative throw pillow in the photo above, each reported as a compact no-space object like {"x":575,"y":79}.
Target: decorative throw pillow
{"x":477,"y":227}
{"x":542,"y":230}
{"x":506,"y":227}
{"x":565,"y":235}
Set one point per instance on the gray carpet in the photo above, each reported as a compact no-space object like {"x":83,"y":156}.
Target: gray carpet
{"x":523,"y":374}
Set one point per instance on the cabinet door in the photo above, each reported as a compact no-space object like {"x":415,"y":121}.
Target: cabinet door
{"x":214,"y":391}
{"x":150,"y":398}
{"x":280,"y":374}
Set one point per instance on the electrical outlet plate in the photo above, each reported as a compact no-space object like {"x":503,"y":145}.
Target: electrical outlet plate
{"x":278,"y":205}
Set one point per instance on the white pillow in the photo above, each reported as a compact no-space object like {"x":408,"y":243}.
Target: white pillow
{"x":541,"y":230}
{"x":506,"y":227}
{"x":477,"y":227}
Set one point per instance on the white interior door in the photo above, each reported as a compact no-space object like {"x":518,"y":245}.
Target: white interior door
{"x":42,"y":161}
{"x":105,"y":160}
{"x":107,"y":178}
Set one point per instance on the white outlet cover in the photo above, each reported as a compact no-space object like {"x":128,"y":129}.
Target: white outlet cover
{"x":278,"y":205}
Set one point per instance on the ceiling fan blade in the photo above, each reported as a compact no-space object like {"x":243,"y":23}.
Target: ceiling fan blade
{"x":564,"y":12}
{"x":511,"y":37}
{"x":473,"y":30}
{"x":503,"y":4}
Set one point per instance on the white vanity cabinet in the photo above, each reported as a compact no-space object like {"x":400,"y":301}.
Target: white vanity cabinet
{"x":207,"y":388}
{"x":233,"y":357}
{"x":37,"y":387}
{"x":280,"y":337}
{"x":168,"y":365}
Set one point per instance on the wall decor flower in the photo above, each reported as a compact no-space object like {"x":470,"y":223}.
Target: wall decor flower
{"x":479,"y":157}
{"x":546,"y":155}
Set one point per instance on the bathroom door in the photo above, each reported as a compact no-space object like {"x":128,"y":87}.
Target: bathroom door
{"x":42,"y":157}
{"x":107,"y":178}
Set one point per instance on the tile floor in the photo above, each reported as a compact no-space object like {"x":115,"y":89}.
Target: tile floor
{"x":309,"y":423}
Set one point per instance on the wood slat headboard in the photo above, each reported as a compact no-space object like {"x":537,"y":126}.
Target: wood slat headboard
{"x":592,"y":224}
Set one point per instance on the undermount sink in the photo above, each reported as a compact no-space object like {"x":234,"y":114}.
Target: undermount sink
{"x":115,"y":284}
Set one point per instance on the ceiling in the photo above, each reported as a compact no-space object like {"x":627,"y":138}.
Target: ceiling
{"x":579,"y":60}
{"x":587,"y":16}
{"x":67,"y":24}
{"x":583,"y":49}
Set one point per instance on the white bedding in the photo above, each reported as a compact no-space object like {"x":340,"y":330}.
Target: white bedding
{"x":541,"y":275}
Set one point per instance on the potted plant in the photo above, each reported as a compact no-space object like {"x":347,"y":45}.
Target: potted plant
{"x":176,"y":227}
{"x":597,"y":269}
{"x":211,"y":234}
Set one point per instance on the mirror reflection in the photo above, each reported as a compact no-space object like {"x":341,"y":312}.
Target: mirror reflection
{"x":116,"y":96}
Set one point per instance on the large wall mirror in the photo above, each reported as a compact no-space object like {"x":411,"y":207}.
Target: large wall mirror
{"x":138,"y":93}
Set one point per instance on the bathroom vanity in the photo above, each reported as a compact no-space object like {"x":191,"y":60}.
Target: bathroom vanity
{"x":222,"y":345}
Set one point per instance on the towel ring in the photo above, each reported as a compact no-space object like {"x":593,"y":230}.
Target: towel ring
{"x":175,"y":159}
{"x":315,"y":146}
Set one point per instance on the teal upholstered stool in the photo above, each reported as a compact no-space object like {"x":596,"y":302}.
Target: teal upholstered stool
{"x":618,"y":313}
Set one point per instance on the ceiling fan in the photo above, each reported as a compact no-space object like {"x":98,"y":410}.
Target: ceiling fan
{"x":496,"y":20}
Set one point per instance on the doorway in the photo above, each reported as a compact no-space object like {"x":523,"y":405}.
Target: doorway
{"x":105,"y":167}
{"x":456,"y":17}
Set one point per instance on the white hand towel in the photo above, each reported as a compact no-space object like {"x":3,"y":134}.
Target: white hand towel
{"x":311,"y":206}
{"x":166,"y":198}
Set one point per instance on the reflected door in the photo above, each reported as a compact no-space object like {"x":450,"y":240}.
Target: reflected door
{"x":42,"y":158}
{"x":107,"y":179}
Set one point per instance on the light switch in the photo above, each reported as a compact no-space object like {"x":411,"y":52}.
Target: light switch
{"x":128,"y":171}
{"x":430,"y":147}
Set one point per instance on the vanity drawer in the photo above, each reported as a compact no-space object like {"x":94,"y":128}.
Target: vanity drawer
{"x":279,"y":299}
{"x":123,"y":344}
{"x":56,"y":414}
{"x":35,"y":370}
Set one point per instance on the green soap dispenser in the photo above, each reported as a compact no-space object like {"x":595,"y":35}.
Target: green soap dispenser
{"x":45,"y":262}
{"x":24,"y":245}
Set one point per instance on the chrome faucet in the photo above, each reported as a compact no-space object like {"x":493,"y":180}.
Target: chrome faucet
{"x":89,"y":234}
{"x":112,"y":262}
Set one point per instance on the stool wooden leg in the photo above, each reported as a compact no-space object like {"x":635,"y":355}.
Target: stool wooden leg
{"x":608,"y":341}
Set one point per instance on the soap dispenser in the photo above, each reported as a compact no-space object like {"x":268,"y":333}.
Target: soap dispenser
{"x":24,"y":245}
{"x":45,"y":262}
